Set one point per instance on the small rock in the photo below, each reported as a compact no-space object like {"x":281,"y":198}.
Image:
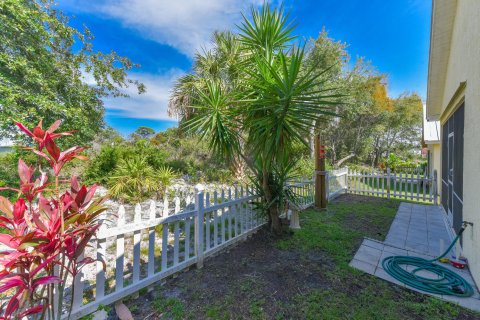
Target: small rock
{"x":173,"y":293}
{"x":122,"y":312}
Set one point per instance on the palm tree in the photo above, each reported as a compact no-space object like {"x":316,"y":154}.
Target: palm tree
{"x":219,"y":64}
{"x":268,"y":105}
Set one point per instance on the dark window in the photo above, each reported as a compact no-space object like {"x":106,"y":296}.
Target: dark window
{"x":445,"y":152}
{"x":452,"y":166}
{"x":445,"y":166}
{"x":445,"y":196}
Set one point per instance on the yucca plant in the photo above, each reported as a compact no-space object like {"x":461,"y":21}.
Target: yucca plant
{"x":269,"y":106}
{"x":165,"y":176}
{"x":133,"y":180}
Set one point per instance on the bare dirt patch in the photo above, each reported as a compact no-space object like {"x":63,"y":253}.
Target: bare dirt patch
{"x":252,"y":274}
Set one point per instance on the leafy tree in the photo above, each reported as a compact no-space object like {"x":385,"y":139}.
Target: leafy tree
{"x":329,"y":58}
{"x":400,"y":130}
{"x":143,"y":132}
{"x":371,"y":124}
{"x":44,"y":64}
{"x":108,"y":135}
{"x":260,"y":105}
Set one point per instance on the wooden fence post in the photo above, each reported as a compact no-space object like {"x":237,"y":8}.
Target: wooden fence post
{"x":327,"y":184}
{"x":320,"y":176}
{"x":435,"y":191}
{"x":388,"y":183}
{"x":199,"y":207}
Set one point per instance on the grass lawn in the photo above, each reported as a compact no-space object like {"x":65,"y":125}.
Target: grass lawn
{"x":300,"y":276}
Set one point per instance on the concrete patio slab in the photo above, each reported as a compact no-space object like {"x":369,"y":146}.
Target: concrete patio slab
{"x":417,"y":230}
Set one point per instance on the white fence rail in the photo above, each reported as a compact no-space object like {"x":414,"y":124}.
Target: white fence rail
{"x":304,"y":192}
{"x":337,"y":181}
{"x":394,"y":185}
{"x":148,"y":250}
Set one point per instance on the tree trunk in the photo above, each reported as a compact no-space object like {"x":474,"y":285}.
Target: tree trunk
{"x":334,"y":153}
{"x":275,"y":223}
{"x":273,"y":214}
{"x":237,"y":167}
{"x":339,"y":163}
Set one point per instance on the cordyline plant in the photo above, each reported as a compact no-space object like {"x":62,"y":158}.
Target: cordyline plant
{"x":45,"y":231}
{"x":254,"y":98}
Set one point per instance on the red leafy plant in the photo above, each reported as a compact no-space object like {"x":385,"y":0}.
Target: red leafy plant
{"x":45,"y":231}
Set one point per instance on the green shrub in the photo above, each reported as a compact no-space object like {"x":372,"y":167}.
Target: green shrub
{"x":165,"y":176}
{"x":8,"y":170}
{"x":183,"y":155}
{"x":133,"y":180}
{"x":304,"y":167}
{"x":102,"y":165}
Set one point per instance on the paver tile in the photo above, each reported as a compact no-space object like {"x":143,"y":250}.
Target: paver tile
{"x":374,"y":244}
{"x":395,"y":251}
{"x":422,"y":248}
{"x":368,"y":255}
{"x":363,"y":266}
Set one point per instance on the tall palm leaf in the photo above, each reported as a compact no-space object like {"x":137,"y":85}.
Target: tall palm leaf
{"x":282,"y":104}
{"x":268,"y":31}
{"x":215,"y":119}
{"x":182,"y":96}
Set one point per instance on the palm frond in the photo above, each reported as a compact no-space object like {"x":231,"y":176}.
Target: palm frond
{"x":214,"y":119}
{"x":269,"y":30}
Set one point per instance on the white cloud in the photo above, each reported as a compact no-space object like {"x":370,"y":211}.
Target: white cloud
{"x":186,"y":25}
{"x":152,"y":104}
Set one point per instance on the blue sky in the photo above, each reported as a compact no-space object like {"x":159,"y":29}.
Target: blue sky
{"x":163,"y":36}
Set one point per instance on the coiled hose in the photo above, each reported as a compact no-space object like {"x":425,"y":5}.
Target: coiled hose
{"x":447,"y":283}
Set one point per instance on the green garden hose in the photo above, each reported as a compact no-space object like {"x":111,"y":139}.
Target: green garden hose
{"x":447,"y":283}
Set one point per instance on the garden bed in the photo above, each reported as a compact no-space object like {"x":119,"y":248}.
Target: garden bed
{"x":300,"y":276}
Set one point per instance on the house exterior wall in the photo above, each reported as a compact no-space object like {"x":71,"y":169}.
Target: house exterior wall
{"x":462,"y":84}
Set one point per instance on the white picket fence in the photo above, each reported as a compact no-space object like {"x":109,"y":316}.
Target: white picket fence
{"x":151,"y":248}
{"x":394,"y":185}
{"x":336,"y":185}
{"x":186,"y":238}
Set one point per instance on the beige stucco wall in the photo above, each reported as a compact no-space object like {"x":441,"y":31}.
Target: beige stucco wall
{"x":464,"y":65}
{"x":436,"y":155}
